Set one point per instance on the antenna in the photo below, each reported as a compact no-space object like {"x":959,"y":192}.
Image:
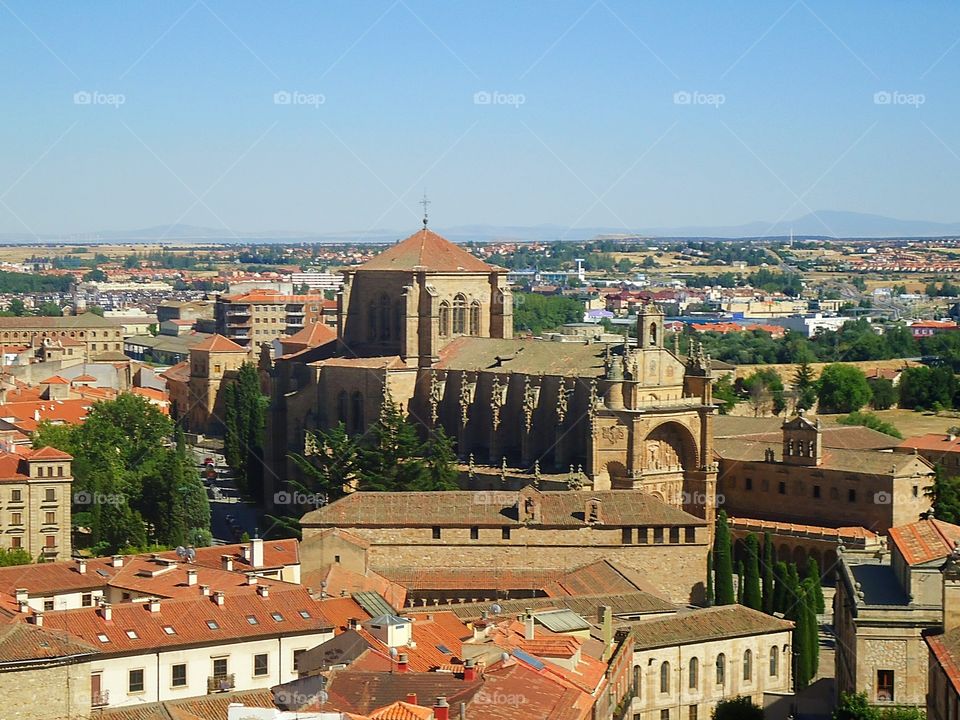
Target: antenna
{"x":425,"y":202}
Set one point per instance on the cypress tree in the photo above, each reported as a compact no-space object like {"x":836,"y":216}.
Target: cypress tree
{"x":813,"y":575}
{"x":791,"y":598}
{"x":740,"y":582}
{"x":751,"y":579}
{"x":780,"y":587}
{"x":710,"y":596}
{"x":801,"y":643}
{"x":723,"y":562}
{"x":768,"y":582}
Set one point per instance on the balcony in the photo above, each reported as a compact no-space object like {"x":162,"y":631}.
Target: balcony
{"x":220,"y":683}
{"x":99,"y":698}
{"x":238,"y":311}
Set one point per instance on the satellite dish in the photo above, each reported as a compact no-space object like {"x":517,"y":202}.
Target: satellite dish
{"x":393,"y":652}
{"x":181,"y":552}
{"x":322,"y":697}
{"x":323,"y":584}
{"x":504,"y":656}
{"x":496,"y":609}
{"x":191,"y":554}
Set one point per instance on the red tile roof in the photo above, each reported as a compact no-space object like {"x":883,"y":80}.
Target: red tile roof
{"x":217,"y":343}
{"x":946,"y":649}
{"x":425,"y":250}
{"x":55,"y":380}
{"x":49,"y":453}
{"x":924,"y":540}
{"x":934,"y":442}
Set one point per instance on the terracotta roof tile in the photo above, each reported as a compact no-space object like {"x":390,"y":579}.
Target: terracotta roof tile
{"x":361,"y":692}
{"x":924,"y":540}
{"x":217,"y":343}
{"x":704,"y":625}
{"x":425,"y":250}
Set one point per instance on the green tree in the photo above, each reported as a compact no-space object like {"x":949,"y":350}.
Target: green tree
{"x":927,"y":388}
{"x":855,"y":706}
{"x":871,"y":421}
{"x":740,"y":582}
{"x":49,"y":309}
{"x":781,"y":583}
{"x":944,"y":496}
{"x":738,"y":708}
{"x":752,"y":597}
{"x":765,"y":390}
{"x":94,"y":310}
{"x":723,"y":559}
{"x":842,"y":389}
{"x":95,"y":275}
{"x":14,"y":556}
{"x":244,"y":422}
{"x":884,"y":393}
{"x":768,"y":574}
{"x":813,"y":576}
{"x":537,"y":313}
{"x":17,"y":307}
{"x":709,"y":593}
{"x":804,"y":386}
{"x":725,"y":395}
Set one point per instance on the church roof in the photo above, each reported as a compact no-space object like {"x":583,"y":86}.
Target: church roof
{"x":218,"y":343}
{"x":312,"y":335}
{"x":425,"y":250}
{"x":925,"y":540}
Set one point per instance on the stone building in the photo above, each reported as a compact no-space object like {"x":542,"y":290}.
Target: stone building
{"x":35,"y":495}
{"x":427,"y":325}
{"x":260,"y":316}
{"x":883,"y":604}
{"x":943,"y":679}
{"x":98,"y":335}
{"x":520,"y":530}
{"x":196,"y":385}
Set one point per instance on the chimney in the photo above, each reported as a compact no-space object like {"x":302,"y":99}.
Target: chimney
{"x":82,"y":566}
{"x":352,"y":623}
{"x":226,"y":562}
{"x":37,"y":619}
{"x":263,"y":591}
{"x":402,"y":663}
{"x":251,"y":579}
{"x":951,"y":590}
{"x":153,"y":605}
{"x":22,"y":595}
{"x":191,"y":577}
{"x":412,"y":698}
{"x":117,"y":561}
{"x":605,"y":618}
{"x":218,"y":597}
{"x":204,"y":589}
{"x":528,"y":625}
{"x":469,"y":671}
{"x":245,"y":552}
{"x":256,"y":552}
{"x":441,"y":711}
{"x":106,"y":612}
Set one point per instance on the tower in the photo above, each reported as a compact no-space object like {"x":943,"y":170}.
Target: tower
{"x":802,"y":441}
{"x":649,"y":326}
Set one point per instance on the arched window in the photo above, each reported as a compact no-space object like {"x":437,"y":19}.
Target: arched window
{"x":372,"y":322}
{"x":384,"y":317}
{"x":747,"y":665}
{"x":721,"y":669}
{"x":665,"y":677}
{"x":694,"y":673}
{"x":459,"y":315}
{"x":342,"y":408}
{"x":653,"y":333}
{"x":444,"y":318}
{"x":356,"y":412}
{"x":790,"y":447}
{"x":474,"y":318}
{"x":774,"y":661}
{"x":637,"y":680}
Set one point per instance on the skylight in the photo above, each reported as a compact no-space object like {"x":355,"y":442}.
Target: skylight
{"x":252,"y":620}
{"x":103,"y":638}
{"x":277,"y":616}
{"x":304,"y":614}
{"x":212,"y":625}
{"x":169,"y":630}
{"x":132,"y":634}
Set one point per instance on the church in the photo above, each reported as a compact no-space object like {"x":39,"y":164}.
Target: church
{"x":427,"y":325}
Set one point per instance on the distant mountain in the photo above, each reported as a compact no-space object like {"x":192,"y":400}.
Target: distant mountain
{"x":822,"y":223}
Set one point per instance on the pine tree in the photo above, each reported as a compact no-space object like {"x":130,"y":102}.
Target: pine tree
{"x":440,"y":459}
{"x":740,"y":582}
{"x":723,"y":559}
{"x":710,"y":595}
{"x":767,"y":571}
{"x":751,"y":590}
{"x":804,"y":386}
{"x":813,"y":575}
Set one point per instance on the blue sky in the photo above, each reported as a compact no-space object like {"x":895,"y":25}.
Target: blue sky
{"x":120,"y":115}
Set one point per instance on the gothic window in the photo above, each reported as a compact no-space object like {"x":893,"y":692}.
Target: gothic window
{"x":356,"y":412}
{"x":474,"y":318}
{"x":384,"y":317}
{"x":774,"y":661}
{"x":459,"y":315}
{"x":664,"y":677}
{"x":398,"y":312}
{"x":694,"y":673}
{"x":721,"y":669}
{"x":444,"y":319}
{"x":747,"y":665}
{"x":371,"y":322}
{"x":342,"y":408}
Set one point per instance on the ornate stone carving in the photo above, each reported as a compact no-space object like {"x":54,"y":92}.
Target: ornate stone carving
{"x":530,"y":396}
{"x":563,"y":400}
{"x":614,"y":434}
{"x":466,"y":398}
{"x":496,"y":401}
{"x":436,"y":395}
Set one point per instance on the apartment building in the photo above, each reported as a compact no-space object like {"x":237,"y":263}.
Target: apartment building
{"x":98,"y":335}
{"x":35,"y":490}
{"x":261,"y":316}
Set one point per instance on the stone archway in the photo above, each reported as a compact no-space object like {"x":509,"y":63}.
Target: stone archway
{"x":670,"y":446}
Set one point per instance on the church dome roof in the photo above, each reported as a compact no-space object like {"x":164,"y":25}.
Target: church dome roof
{"x":426,"y":250}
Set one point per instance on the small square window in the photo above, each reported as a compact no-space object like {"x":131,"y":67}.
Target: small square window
{"x":436,"y":533}
{"x":252,"y":620}
{"x":168,"y":629}
{"x":86,"y":600}
{"x":304,"y":614}
{"x":47,"y":605}
{"x":132,"y":634}
{"x":212,"y":625}
{"x":505,"y":533}
{"x":103,"y":638}
{"x":260,"y":665}
{"x":277,"y":616}
{"x":782,"y":488}
{"x":474,"y":533}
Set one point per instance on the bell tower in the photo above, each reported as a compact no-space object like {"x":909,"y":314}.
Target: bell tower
{"x":649,"y":326}
{"x":802,"y":441}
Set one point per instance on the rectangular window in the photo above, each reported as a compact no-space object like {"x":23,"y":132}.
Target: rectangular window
{"x":436,"y":533}
{"x":749,"y":483}
{"x":816,"y":491}
{"x":260,"y":665}
{"x":851,"y":495}
{"x":16,"y":518}
{"x":16,"y":542}
{"x":692,"y":712}
{"x":916,"y":490}
{"x":86,"y":600}
{"x":665,"y":714}
{"x":49,"y":495}
{"x":50,"y":541}
{"x":474,"y":533}
{"x":16,"y":496}
{"x":51,"y":518}
{"x":135,"y":681}
{"x":296,"y":659}
{"x":626,"y":536}
{"x":642,"y":538}
{"x":884,"y":685}
{"x":219,"y":667}
{"x":505,"y":533}
{"x":674,"y":535}
{"x":47,"y":605}
{"x":782,"y":488}
{"x":658,"y":536}
{"x":689,"y":535}
{"x":178,"y":675}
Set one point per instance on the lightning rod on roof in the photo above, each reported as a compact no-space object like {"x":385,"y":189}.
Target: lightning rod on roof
{"x":425,"y":202}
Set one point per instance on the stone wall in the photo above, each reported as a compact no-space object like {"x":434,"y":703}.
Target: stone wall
{"x":55,"y":693}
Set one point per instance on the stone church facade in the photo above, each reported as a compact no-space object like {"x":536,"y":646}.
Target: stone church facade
{"x":429,"y":326}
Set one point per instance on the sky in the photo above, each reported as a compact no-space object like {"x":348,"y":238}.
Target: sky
{"x":328,"y":116}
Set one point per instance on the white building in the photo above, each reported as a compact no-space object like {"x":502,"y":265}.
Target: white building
{"x":316,"y":280}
